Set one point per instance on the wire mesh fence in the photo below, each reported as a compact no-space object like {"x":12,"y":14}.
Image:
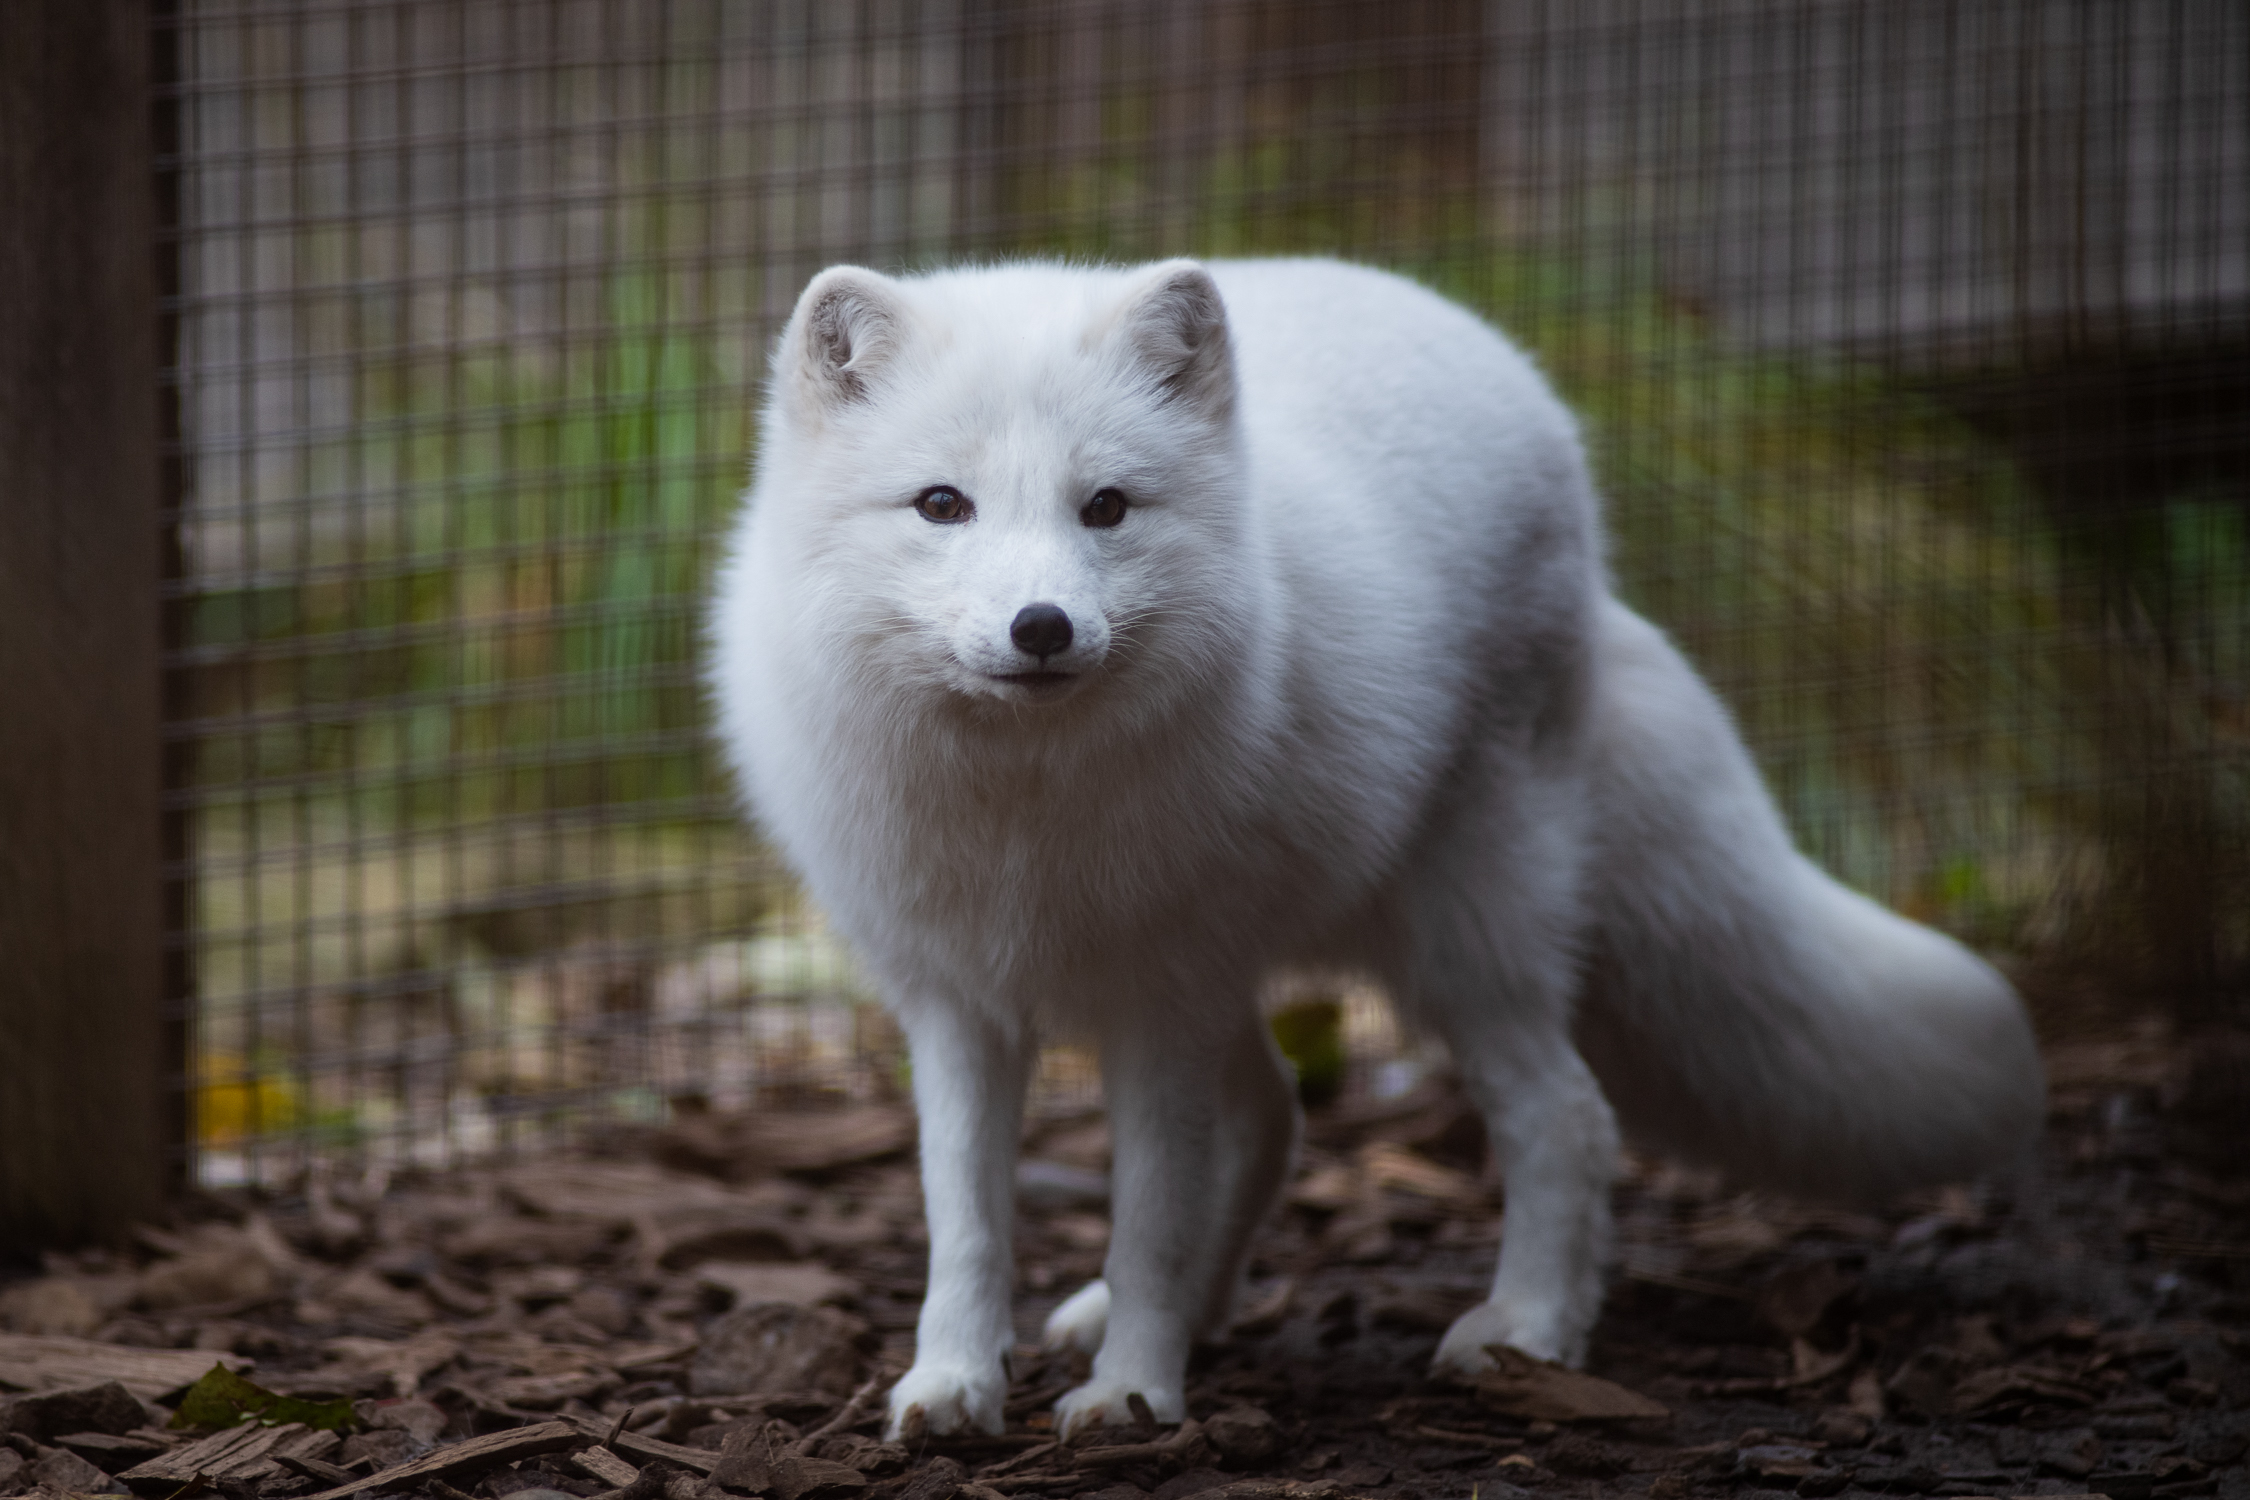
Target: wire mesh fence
{"x":1912,"y":341}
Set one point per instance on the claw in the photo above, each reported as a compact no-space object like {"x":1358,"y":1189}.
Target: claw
{"x":1463,"y":1354}
{"x":1144,"y":1407}
{"x":935,"y":1401}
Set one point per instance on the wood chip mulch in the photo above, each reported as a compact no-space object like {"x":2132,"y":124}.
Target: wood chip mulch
{"x":715,"y":1310}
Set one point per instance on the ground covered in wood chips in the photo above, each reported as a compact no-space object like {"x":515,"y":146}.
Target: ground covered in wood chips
{"x":714,"y":1310}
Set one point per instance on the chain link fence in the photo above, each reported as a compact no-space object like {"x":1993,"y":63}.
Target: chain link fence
{"x":1912,"y":341}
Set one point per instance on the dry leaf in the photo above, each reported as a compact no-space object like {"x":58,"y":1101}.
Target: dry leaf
{"x":71,"y":1306}
{"x":1269,"y":1312}
{"x":617,"y":1191}
{"x":740,"y":1146}
{"x":546,"y":1392}
{"x":2017,"y":1385}
{"x":1328,"y":1190}
{"x":805,"y":1285}
{"x":775,"y":1347}
{"x":1539,"y":1390}
{"x":1796,"y":1300}
{"x":1809,"y":1365}
{"x":1735,"y":1233}
{"x":1385,"y":1164}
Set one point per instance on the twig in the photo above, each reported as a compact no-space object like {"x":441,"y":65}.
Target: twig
{"x":314,"y":1468}
{"x":1117,"y":1455}
{"x":1694,"y":1284}
{"x":1754,"y":1385}
{"x":1173,"y":1445}
{"x":855,"y":1411}
{"x":1029,"y":1458}
{"x":1474,"y":1439}
{"x":623,"y":1418}
{"x":195,"y":1486}
{"x":1011,"y":1483}
{"x":959,"y":1442}
{"x":1031,"y":1401}
{"x":473,"y":1455}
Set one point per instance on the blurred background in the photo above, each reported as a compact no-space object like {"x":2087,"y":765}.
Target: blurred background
{"x":1912,"y":342}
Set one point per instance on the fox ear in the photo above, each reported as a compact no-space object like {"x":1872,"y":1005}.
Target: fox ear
{"x":1176,"y":325}
{"x":849,"y":323}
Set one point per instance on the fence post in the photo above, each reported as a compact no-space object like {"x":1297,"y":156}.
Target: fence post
{"x":82,"y":1081}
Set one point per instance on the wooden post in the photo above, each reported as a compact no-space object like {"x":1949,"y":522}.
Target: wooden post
{"x":82,"y":1028}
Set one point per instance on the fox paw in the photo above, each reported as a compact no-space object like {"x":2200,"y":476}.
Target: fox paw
{"x":1078,"y":1325}
{"x":1538,"y":1331}
{"x":1104,"y":1402}
{"x":933,"y":1401}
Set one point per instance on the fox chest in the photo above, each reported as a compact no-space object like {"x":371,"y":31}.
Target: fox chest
{"x":1045,"y":883}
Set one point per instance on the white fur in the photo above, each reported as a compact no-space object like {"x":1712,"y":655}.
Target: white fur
{"x":1347,"y":687}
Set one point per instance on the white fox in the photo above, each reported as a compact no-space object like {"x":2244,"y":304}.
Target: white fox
{"x":1096,"y":641}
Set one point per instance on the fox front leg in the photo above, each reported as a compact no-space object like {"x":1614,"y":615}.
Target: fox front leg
{"x":1205,"y":1118}
{"x":968,"y":1092}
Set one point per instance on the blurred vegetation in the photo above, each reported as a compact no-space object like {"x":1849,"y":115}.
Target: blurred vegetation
{"x":500,"y":613}
{"x":447,"y":718}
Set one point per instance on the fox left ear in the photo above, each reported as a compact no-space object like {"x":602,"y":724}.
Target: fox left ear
{"x":848,"y":324}
{"x":1176,"y":324}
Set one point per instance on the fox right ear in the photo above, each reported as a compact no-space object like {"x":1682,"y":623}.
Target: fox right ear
{"x":1176,"y":323}
{"x":847,"y":326}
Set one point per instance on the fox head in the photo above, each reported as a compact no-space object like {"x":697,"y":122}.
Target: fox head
{"x":1018,"y":487}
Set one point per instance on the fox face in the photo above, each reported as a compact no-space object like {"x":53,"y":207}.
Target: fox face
{"x":1002,"y":507}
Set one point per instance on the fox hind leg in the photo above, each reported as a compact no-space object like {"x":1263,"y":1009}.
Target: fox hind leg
{"x":1556,"y":1141}
{"x":1077,"y":1325}
{"x":1489,"y":958}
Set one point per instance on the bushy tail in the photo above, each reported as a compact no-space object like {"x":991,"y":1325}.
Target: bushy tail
{"x":1749,"y":1012}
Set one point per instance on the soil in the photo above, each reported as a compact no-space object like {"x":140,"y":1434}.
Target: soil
{"x":715,"y":1309}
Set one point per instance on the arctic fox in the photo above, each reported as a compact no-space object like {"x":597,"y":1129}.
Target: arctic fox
{"x":1095,"y":641}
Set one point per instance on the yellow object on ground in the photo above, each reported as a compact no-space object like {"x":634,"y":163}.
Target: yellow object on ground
{"x":1311,"y":1034}
{"x":235,"y":1100}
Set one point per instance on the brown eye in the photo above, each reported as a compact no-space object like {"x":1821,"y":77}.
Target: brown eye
{"x":944,"y":505}
{"x":1107,"y":508}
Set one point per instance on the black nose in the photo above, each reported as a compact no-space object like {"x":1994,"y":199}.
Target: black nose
{"x":1040,"y":629}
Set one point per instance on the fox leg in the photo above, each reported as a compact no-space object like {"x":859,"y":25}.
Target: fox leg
{"x":1080,"y":1321}
{"x":969,"y":1078}
{"x":1488,"y":927}
{"x":1556,"y":1141}
{"x":1204,"y":1129}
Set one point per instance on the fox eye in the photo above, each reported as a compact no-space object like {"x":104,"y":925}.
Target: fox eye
{"x":944,"y":504}
{"x":1107,"y":508}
